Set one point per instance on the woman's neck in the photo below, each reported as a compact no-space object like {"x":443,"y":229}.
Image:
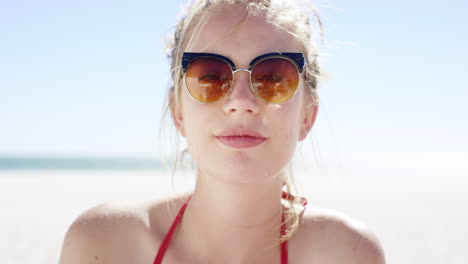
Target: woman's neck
{"x":235,"y":221}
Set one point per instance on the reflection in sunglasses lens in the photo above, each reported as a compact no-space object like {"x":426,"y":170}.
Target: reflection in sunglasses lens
{"x":209,"y":79}
{"x":275,"y":80}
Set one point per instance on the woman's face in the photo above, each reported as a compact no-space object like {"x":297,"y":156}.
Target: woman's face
{"x":281,"y":125}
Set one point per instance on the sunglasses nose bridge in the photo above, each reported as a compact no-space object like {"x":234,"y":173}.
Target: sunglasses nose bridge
{"x":241,"y":69}
{"x":250,"y":76}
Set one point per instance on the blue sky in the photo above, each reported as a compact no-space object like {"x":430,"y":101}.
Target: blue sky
{"x":88,"y":77}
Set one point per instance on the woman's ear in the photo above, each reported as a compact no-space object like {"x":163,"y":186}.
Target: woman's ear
{"x":176,"y":113}
{"x":310,"y":114}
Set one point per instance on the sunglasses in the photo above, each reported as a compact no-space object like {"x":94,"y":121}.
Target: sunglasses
{"x":274,"y":77}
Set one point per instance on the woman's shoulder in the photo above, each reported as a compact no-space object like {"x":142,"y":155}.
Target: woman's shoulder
{"x":333,"y":237}
{"x":118,"y":232}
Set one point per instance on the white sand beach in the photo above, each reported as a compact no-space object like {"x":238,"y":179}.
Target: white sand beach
{"x":418,"y":217}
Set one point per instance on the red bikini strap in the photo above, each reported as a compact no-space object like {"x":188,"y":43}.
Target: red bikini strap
{"x":286,"y":195}
{"x":167,"y":239}
{"x":284,"y":244}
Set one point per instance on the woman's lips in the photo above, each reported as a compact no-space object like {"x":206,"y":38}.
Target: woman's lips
{"x":240,"y":138}
{"x":240,"y":141}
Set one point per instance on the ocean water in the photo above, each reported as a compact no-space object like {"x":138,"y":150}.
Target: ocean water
{"x":76,"y":163}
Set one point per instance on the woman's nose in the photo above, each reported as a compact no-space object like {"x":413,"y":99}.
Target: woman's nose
{"x":241,"y":98}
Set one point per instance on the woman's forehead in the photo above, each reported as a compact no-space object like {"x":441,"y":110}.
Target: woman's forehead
{"x":228,"y":31}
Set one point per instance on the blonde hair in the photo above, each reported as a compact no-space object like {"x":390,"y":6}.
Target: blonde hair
{"x":284,"y":14}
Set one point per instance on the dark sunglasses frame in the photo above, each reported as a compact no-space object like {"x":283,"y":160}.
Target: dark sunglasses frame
{"x":297,"y":58}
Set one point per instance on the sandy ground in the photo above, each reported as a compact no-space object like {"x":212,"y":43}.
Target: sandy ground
{"x":418,"y":217}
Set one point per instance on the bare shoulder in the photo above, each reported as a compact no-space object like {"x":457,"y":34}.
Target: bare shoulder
{"x":327,"y":236}
{"x":108,"y":233}
{"x":120,"y":233}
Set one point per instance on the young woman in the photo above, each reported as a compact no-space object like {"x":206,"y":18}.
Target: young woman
{"x":245,"y":79}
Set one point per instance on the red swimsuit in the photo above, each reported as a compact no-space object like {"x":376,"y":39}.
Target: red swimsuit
{"x":167,"y":239}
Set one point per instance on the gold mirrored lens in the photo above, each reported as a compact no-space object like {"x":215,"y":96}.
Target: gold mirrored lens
{"x":275,"y":79}
{"x":208,"y":79}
